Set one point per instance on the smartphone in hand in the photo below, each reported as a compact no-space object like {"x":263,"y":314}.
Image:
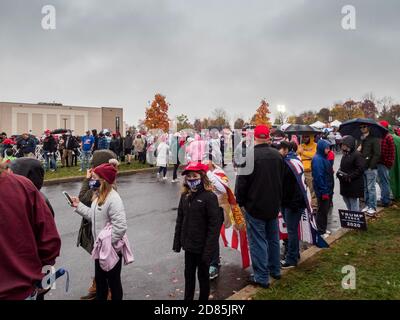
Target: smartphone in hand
{"x":67,"y":196}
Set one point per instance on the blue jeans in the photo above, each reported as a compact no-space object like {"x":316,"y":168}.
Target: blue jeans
{"x":384,"y":183}
{"x":263,"y":237}
{"x":85,"y":159}
{"x":292,"y":220}
{"x":352,"y":204}
{"x":49,"y":161}
{"x":370,"y":188}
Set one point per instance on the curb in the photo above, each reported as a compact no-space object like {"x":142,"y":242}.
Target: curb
{"x":249,"y":291}
{"x":51,"y":182}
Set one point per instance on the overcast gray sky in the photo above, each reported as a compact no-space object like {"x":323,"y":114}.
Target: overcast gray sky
{"x":201,"y":54}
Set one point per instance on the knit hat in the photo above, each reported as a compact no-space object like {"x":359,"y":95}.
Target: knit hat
{"x":102,"y":156}
{"x":106,"y":171}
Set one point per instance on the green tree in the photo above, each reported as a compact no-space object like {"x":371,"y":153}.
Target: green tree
{"x":182,"y":122}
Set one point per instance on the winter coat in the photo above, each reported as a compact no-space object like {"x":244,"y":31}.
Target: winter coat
{"x":162,"y":154}
{"x":49,"y":144}
{"x":112,"y":211}
{"x":371,"y":151}
{"x":115,"y":146}
{"x":71,"y":143}
{"x":103,"y":143}
{"x":27,"y":146}
{"x":28,"y":237}
{"x":307,"y":152}
{"x":387,"y":151}
{"x":139,"y":144}
{"x":353,"y":165}
{"x":128,"y":142}
{"x":322,"y":171}
{"x":198,"y":224}
{"x":292,"y":197}
{"x":260,"y":192}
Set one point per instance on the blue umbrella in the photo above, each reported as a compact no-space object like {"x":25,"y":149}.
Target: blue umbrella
{"x":352,"y":128}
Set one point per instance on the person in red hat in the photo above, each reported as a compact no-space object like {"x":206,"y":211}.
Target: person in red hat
{"x":49,"y":151}
{"x":385,"y":163}
{"x":107,"y":208}
{"x":197,"y":228}
{"x":259,"y":194}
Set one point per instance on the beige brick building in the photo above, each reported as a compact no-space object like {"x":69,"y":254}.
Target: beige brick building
{"x":17,"y":118}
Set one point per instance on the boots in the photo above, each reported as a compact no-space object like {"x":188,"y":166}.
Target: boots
{"x":91,"y":295}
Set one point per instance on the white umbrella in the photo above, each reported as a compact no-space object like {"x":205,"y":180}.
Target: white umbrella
{"x":285,"y":126}
{"x":336,"y":124}
{"x":318,"y":125}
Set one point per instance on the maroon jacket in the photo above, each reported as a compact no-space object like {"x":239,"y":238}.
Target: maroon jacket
{"x":28,"y":237}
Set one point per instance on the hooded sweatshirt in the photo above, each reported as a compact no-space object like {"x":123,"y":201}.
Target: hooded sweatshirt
{"x":32,"y":169}
{"x":322,"y":171}
{"x":28,"y":237}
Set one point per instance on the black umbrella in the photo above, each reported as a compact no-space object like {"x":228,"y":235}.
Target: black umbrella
{"x":59,"y":131}
{"x":301,"y":129}
{"x":352,"y":128}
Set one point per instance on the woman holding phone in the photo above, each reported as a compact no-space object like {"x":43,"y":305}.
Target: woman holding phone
{"x":106,"y":209}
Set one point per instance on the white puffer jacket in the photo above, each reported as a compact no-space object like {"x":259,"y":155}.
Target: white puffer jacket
{"x":112,"y":211}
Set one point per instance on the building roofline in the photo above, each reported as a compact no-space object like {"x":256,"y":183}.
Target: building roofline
{"x":62,"y":105}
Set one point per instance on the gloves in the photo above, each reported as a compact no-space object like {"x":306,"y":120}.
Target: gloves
{"x":325,"y":197}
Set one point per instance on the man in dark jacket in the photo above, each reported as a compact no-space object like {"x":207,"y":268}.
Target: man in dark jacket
{"x":49,"y":150}
{"x":293,"y":203}
{"x":27,"y":145}
{"x":386,"y":163}
{"x":128,"y":144}
{"x":371,"y":151}
{"x":28,"y":237}
{"x":70,"y":144}
{"x":260,"y":194}
{"x":96,"y":140}
{"x":323,"y":184}
{"x":350,"y":174}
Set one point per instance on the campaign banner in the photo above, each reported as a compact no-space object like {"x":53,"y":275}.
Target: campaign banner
{"x":352,"y":220}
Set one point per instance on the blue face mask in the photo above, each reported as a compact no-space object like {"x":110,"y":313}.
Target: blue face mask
{"x":194,"y":184}
{"x":94,"y":184}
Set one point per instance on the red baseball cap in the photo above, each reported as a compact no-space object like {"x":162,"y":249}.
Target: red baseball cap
{"x":261,"y":132}
{"x":195,"y":166}
{"x":384,"y":123}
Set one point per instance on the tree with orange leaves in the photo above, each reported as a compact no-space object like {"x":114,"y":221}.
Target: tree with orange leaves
{"x":261,"y":115}
{"x":157,"y":114}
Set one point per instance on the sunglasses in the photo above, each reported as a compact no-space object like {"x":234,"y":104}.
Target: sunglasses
{"x":363,"y":127}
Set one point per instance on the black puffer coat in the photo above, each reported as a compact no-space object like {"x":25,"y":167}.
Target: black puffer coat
{"x":353,"y":165}
{"x":198,"y":224}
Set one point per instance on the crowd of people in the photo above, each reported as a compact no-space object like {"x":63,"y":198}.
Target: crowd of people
{"x":287,"y":176}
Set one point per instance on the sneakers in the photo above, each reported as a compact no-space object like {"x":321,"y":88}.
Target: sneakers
{"x":174,"y":181}
{"x":365,"y":209}
{"x":325,"y":235}
{"x":285,"y":265}
{"x":165,"y":178}
{"x":214,"y":272}
{"x":257,"y":284}
{"x":371,"y":212}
